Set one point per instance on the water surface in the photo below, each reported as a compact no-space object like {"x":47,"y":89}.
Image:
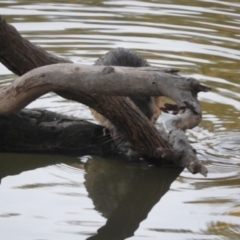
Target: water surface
{"x":60,"y":197}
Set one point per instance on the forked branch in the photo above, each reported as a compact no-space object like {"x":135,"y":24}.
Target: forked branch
{"x":98,"y":87}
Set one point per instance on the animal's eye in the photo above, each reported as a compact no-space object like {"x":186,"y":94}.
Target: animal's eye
{"x":149,"y":99}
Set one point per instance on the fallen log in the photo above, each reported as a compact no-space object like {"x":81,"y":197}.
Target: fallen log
{"x":171,"y":144}
{"x":42,"y":131}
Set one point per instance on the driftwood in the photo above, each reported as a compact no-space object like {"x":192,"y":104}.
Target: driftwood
{"x":87,"y":85}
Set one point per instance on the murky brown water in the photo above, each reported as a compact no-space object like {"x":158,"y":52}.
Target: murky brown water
{"x":57,"y":197}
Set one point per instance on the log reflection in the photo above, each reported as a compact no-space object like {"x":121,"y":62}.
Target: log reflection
{"x":14,"y":164}
{"x":125,"y":194}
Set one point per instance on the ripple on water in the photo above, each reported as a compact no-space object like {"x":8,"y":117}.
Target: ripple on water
{"x":199,"y":37}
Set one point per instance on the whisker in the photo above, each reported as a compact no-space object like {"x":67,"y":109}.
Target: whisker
{"x":113,"y":138}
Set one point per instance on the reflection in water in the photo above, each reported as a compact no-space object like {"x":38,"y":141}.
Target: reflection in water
{"x":125,"y":194}
{"x":13,"y":164}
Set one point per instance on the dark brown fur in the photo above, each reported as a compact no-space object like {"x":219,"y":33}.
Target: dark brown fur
{"x":150,"y":106}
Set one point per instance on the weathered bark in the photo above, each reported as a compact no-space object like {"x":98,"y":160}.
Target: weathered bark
{"x":98,"y":80}
{"x":17,"y":52}
{"x":43,"y":131}
{"x":119,"y":110}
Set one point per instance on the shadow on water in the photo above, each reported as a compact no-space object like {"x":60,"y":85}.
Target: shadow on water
{"x":123,"y":192}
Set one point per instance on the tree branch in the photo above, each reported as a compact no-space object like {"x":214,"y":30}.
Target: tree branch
{"x":17,"y":52}
{"x":94,"y":80}
{"x":169,"y":144}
